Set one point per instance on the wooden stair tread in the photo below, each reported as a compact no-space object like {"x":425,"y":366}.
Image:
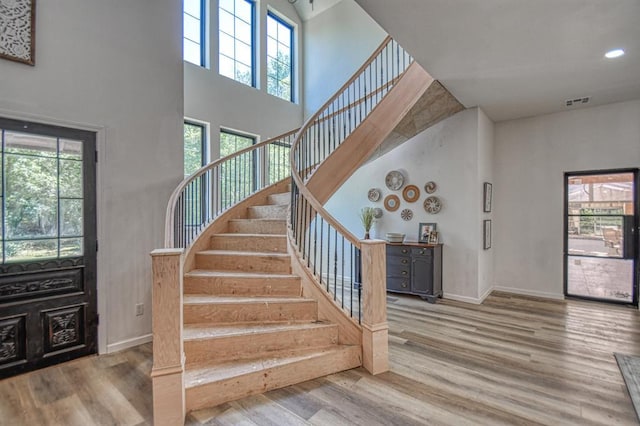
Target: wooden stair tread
{"x":244,"y":253}
{"x":204,"y":374}
{"x":207,"y":331}
{"x":202,"y":299}
{"x":237,"y":274}
{"x":246,"y":235}
{"x":257,"y":220}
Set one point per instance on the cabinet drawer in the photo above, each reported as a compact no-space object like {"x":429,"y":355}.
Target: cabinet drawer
{"x":398,"y":250}
{"x":422,"y":251}
{"x":398,"y":284}
{"x":394,"y":261}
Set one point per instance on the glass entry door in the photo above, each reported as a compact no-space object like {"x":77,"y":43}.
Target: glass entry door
{"x":601,"y":242}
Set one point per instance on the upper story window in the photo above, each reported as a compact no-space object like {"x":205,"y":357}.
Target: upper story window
{"x":193,"y":31}
{"x":279,"y":58}
{"x":236,"y":32}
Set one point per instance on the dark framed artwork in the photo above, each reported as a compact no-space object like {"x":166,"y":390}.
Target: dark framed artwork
{"x":424,"y":231}
{"x":18,"y":31}
{"x":487,"y":195}
{"x":486,"y":234}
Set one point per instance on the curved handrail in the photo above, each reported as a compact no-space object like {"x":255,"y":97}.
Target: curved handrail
{"x":209,"y":202}
{"x":317,"y":117}
{"x":330,"y":251}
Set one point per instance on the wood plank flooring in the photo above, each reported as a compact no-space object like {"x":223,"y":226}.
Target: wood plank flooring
{"x":512,"y":360}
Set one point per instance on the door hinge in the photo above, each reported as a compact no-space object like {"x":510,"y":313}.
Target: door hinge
{"x":96,"y":156}
{"x":96,"y":246}
{"x":98,"y":319}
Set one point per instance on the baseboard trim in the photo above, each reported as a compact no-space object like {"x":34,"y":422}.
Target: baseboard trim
{"x":486,"y":294}
{"x":534,"y":293}
{"x":129,"y":343}
{"x":465,"y":299}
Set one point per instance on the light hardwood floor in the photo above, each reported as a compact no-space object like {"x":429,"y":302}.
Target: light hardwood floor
{"x":512,"y":360}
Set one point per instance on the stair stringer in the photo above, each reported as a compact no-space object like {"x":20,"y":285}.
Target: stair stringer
{"x":220,"y":223}
{"x":349,"y":331}
{"x":365,"y":139}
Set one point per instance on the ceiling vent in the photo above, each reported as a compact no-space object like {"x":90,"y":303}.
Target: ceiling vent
{"x":577,"y":101}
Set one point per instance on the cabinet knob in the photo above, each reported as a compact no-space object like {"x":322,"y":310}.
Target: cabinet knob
{"x":404,"y":285}
{"x":404,"y":272}
{"x":405,"y":261}
{"x":421,"y":251}
{"x":404,"y":250}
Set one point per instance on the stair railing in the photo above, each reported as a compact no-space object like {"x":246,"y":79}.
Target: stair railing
{"x":342,"y":264}
{"x":201,"y":197}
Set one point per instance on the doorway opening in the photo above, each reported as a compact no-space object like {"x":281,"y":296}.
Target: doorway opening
{"x":601,"y":242}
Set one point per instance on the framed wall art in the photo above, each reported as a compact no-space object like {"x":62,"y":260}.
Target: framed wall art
{"x":487,"y":234}
{"x":487,"y":195}
{"x":18,"y":31}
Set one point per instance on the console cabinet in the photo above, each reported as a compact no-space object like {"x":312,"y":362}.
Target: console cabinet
{"x":415,"y":268}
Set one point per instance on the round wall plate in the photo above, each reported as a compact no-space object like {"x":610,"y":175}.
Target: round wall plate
{"x":411,"y":193}
{"x":394,"y":180}
{"x":430,"y":187}
{"x":406,"y":214}
{"x":377,"y":212}
{"x":391,"y":203}
{"x":432,"y":205}
{"x":374,"y":194}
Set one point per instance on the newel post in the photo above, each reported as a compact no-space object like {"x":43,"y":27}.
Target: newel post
{"x":375,"y":342}
{"x":167,"y":373}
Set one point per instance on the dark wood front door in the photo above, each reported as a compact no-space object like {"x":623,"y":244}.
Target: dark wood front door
{"x":48,"y":245}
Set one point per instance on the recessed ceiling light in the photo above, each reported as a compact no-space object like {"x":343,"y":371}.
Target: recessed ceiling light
{"x":615,"y":53}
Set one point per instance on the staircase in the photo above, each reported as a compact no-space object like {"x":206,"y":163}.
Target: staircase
{"x":247,"y":327}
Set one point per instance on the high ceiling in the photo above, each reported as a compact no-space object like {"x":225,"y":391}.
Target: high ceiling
{"x":519,"y":58}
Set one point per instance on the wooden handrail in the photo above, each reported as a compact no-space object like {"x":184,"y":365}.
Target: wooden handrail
{"x":171,"y":205}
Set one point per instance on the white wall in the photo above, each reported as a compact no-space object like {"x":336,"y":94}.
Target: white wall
{"x":449,"y":154}
{"x":336,"y":44}
{"x":531,"y":157}
{"x":485,"y":174}
{"x":114,"y":67}
{"x":224,"y":103}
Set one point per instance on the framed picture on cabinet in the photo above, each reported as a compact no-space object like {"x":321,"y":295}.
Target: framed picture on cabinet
{"x":434,"y":237}
{"x":487,"y":195}
{"x":424,"y":232}
{"x":487,"y":234}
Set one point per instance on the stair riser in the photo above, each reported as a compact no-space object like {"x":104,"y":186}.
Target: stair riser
{"x":274,"y":226}
{"x":284,"y":198}
{"x":250,"y":312}
{"x":257,"y":344}
{"x":266,"y":243}
{"x":259,"y":381}
{"x":267,"y":212}
{"x":224,"y":262}
{"x":232,"y":286}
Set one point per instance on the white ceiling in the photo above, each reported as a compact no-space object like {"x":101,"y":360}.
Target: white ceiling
{"x":518,"y":58}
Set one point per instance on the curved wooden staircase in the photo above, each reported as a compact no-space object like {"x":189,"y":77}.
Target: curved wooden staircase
{"x":247,"y":326}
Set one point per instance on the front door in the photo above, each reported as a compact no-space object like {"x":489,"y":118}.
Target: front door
{"x":47,"y":246}
{"x":601,"y":242}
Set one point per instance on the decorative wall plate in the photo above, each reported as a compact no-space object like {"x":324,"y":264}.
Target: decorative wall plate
{"x":406,"y":214}
{"x":377,"y":212}
{"x":430,"y":187}
{"x":432,"y":205}
{"x":411,"y":193}
{"x":394,"y":180}
{"x":374,"y":194}
{"x":391,"y":203}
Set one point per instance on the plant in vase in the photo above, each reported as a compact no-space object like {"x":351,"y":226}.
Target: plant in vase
{"x":367,"y":217}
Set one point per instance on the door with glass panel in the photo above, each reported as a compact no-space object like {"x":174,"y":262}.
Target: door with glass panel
{"x":47,"y":246}
{"x":601,"y":241}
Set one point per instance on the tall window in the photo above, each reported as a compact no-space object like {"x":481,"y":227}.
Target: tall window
{"x":238,"y":176}
{"x":236,"y":18}
{"x":279,"y":58}
{"x":194,"y":147}
{"x":193,"y":31}
{"x":194,"y":158}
